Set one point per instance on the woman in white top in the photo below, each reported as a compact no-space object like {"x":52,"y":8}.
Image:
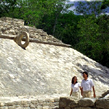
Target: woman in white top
{"x":75,"y":86}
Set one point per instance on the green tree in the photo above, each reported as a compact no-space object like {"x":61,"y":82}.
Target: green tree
{"x":32,"y":11}
{"x":93,"y":31}
{"x":51,"y":20}
{"x":89,"y":7}
{"x":88,"y":37}
{"x":94,"y":38}
{"x":105,"y":4}
{"x":103,"y":22}
{"x":67,"y":28}
{"x":6,"y":7}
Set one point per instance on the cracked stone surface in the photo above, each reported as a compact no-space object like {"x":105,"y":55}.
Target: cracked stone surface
{"x":45,"y":70}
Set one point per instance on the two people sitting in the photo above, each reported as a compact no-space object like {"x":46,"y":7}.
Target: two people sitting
{"x":86,"y":87}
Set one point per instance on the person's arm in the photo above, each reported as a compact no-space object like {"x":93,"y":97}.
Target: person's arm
{"x":71,"y":91}
{"x":92,"y":84}
{"x":81,"y":91}
{"x":94,"y":95}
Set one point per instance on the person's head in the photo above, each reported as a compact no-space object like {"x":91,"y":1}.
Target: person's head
{"x":74,"y":80}
{"x":85,"y":75}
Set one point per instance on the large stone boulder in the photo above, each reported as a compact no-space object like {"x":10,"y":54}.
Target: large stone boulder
{"x":102,"y":103}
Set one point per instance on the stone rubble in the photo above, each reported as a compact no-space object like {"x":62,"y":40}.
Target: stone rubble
{"x":52,"y":103}
{"x":16,"y":26}
{"x":86,"y":103}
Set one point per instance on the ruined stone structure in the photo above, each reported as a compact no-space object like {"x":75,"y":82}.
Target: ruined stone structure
{"x":86,"y":103}
{"x":12,"y":26}
{"x":16,"y":30}
{"x":53,"y":103}
{"x":43,"y":69}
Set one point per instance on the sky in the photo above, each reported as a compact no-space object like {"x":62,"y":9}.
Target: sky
{"x":85,"y":0}
{"x":75,"y":2}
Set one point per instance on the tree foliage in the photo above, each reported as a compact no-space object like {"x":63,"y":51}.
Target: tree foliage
{"x":88,"y":8}
{"x":88,"y":33}
{"x":94,"y":38}
{"x":105,"y":4}
{"x":6,"y":7}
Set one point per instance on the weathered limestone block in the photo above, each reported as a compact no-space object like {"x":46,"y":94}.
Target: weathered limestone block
{"x":45,"y":103}
{"x":56,"y":103}
{"x":9,"y":103}
{"x":12,"y":32}
{"x":17,"y":103}
{"x":6,"y":32}
{"x":105,"y":93}
{"x":25,"y":103}
{"x":2,"y":104}
{"x":17,"y":107}
{"x":102,"y":103}
{"x":67,"y":108}
{"x":86,"y":102}
{"x":107,"y":96}
{"x":34,"y":36}
{"x":62,"y":102}
{"x":67,"y":102}
{"x":39,"y":107}
{"x":32,"y":106}
{"x":6,"y":107}
{"x":46,"y":107}
{"x":34,"y":102}
{"x":56,"y":99}
{"x":84,"y":108}
{"x":40,"y":102}
{"x":12,"y":21}
{"x":53,"y":102}
{"x":43,"y":34}
{"x":11,"y":107}
{"x":25,"y":108}
{"x":55,"y":107}
{"x":1,"y":107}
{"x":39,"y":30}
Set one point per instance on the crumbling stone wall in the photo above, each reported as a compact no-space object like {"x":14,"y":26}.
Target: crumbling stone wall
{"x":86,"y":103}
{"x":13,"y":26}
{"x":30,"y":103}
{"x":55,"y":103}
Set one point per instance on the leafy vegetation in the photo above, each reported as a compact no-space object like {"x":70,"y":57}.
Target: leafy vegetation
{"x":88,"y":33}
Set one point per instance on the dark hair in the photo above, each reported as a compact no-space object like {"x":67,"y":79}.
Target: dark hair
{"x":85,"y":73}
{"x":73,"y":80}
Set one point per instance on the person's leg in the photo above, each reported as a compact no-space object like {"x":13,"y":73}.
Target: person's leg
{"x":87,"y":94}
{"x":75,"y":95}
{"x":84,"y":94}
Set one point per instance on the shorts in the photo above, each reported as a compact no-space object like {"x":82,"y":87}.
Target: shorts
{"x":87,"y":94}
